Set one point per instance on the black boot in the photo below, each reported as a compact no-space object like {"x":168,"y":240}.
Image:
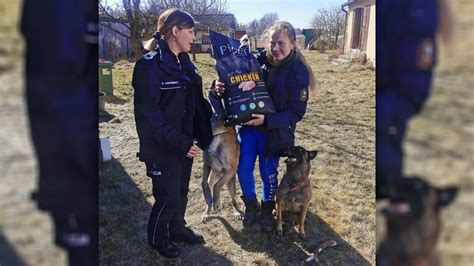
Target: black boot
{"x":165,"y":248}
{"x":186,"y":235}
{"x":266,"y":217}
{"x":251,"y":211}
{"x":158,"y":236}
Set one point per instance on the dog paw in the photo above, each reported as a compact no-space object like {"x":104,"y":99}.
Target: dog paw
{"x":280,"y":232}
{"x":204,"y":218}
{"x":238,"y":215}
{"x":302,"y":236}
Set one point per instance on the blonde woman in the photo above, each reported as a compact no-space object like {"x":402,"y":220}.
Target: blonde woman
{"x":288,"y":78}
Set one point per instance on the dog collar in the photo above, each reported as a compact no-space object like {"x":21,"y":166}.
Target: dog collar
{"x":294,"y":187}
{"x":220,"y":133}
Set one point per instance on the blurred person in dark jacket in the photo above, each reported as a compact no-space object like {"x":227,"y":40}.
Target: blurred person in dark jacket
{"x":406,"y":54}
{"x":61,"y":94}
{"x":173,"y":125}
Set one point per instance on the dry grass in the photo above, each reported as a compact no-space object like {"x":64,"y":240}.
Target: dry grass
{"x":339,"y":123}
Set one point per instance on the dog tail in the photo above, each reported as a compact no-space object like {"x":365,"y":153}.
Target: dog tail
{"x":323,"y":246}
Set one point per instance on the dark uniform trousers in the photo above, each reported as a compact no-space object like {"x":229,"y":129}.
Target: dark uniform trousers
{"x":170,"y":189}
{"x":78,"y":234}
{"x":61,"y":74}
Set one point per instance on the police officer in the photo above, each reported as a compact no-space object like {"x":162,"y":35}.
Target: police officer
{"x":288,"y":77}
{"x":61,"y":92}
{"x":406,"y":55}
{"x":173,"y":124}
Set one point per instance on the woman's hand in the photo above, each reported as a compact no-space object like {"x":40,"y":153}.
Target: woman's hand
{"x":219,"y":87}
{"x":257,"y":120}
{"x":194,"y":151}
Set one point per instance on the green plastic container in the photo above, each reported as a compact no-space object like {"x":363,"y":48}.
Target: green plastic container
{"x":308,"y":36}
{"x":105,"y":77}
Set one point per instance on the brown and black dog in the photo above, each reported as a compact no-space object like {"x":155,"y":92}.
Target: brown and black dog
{"x":413,"y":223}
{"x":220,"y":162}
{"x":294,"y":191}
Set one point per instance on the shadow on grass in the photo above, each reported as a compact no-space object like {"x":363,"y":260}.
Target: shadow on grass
{"x":123,"y":219}
{"x":114,"y":99}
{"x":288,"y":249}
{"x":8,"y":254}
{"x":105,"y":116}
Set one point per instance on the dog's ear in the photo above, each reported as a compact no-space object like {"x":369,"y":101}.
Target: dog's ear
{"x":446,"y":195}
{"x":312,"y":154}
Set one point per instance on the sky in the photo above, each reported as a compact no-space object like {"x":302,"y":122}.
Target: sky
{"x":297,"y":12}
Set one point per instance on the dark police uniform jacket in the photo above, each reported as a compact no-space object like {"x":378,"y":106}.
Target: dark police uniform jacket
{"x":170,"y":110}
{"x":61,"y":91}
{"x":288,"y":86}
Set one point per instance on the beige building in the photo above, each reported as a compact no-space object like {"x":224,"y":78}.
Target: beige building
{"x":360,"y":28}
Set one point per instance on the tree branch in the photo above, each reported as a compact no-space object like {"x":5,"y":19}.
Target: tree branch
{"x":107,"y":14}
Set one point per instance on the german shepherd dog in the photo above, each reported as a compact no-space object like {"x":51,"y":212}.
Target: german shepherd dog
{"x":413,"y":222}
{"x":220,"y":162}
{"x":294,"y":191}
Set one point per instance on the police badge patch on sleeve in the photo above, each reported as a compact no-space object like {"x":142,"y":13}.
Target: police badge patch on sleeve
{"x":425,"y":54}
{"x":304,"y":95}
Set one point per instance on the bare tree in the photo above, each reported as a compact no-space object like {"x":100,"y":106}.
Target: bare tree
{"x":207,"y":13}
{"x":329,"y":24}
{"x":140,"y":16}
{"x":265,"y":22}
{"x":256,"y":28}
{"x":194,"y":7}
{"x":130,"y":16}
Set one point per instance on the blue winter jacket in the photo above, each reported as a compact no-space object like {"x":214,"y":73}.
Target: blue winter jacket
{"x":288,"y":86}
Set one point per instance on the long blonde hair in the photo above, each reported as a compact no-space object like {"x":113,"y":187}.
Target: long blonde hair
{"x":289,"y":30}
{"x":167,"y":20}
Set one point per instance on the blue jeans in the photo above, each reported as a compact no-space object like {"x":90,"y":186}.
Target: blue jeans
{"x":252,"y":143}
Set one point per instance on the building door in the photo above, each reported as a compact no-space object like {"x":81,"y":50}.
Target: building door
{"x":356,"y":28}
